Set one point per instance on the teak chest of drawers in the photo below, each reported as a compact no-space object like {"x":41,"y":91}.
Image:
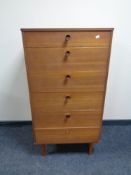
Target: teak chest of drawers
{"x":67,"y":73}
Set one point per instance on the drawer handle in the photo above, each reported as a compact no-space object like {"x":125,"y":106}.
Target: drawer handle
{"x":67,"y":78}
{"x":67,"y":38}
{"x":67,"y":97}
{"x":67,"y":54}
{"x":67,"y":116}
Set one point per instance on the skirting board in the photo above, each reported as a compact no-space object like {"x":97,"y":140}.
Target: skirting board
{"x":23,"y":123}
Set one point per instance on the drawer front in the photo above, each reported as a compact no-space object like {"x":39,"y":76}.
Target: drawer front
{"x":67,"y":81}
{"x":67,"y":101}
{"x":52,"y":59}
{"x":51,"y":119}
{"x":64,"y":39}
{"x":68,"y":135}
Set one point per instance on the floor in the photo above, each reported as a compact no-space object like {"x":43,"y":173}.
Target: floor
{"x":18,"y":155}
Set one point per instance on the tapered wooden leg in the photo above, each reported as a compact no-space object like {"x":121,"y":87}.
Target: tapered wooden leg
{"x":90,"y":148}
{"x":43,"y":150}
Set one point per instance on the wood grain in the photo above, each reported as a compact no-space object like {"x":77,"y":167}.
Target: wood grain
{"x":58,"y":81}
{"x":58,"y":101}
{"x":79,"y":58}
{"x":57,"y":39}
{"x":68,"y":135}
{"x":49,"y":119}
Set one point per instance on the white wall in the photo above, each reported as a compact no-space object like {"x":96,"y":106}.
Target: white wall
{"x":16,"y":14}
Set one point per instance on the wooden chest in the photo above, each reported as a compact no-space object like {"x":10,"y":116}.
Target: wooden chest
{"x":67,"y":73}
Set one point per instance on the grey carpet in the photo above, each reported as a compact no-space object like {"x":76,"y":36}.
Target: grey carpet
{"x":18,"y":155}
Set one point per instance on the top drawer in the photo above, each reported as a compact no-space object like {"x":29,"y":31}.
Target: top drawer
{"x":66,"y":39}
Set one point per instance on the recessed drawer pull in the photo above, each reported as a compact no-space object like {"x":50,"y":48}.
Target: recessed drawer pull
{"x":67,"y":98}
{"x":67,"y":116}
{"x":67,"y":54}
{"x":67,"y":77}
{"x":67,"y":38}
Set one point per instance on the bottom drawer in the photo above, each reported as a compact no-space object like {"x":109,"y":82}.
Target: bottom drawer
{"x":68,"y":135}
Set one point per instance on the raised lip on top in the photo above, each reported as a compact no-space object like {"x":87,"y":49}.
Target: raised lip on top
{"x":64,"y":29}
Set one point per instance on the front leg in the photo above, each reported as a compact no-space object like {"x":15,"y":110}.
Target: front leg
{"x":43,"y":150}
{"x":90,"y":148}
